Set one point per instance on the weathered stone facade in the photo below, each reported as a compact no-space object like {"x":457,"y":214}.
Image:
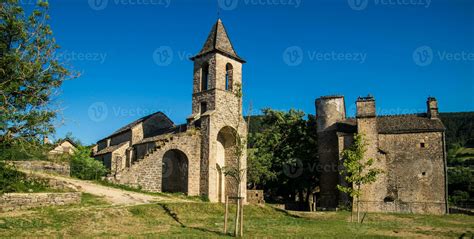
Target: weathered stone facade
{"x":156,"y":155}
{"x":409,"y":149}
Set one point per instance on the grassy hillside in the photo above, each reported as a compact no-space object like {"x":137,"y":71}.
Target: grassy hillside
{"x":94,"y":219}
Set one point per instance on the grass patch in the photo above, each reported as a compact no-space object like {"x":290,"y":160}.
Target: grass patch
{"x":199,"y":219}
{"x":88,"y":199}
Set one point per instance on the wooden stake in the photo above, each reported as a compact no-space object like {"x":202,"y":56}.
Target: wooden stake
{"x":226,"y":213}
{"x":237,"y":218}
{"x":242,"y":217}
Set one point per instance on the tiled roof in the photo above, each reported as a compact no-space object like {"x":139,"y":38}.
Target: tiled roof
{"x":219,"y":41}
{"x":392,"y":124}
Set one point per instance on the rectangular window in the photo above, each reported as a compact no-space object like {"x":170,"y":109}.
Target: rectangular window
{"x":203,"y":107}
{"x":422,"y":145}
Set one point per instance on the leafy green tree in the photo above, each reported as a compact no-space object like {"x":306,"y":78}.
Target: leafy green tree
{"x":284,"y":155}
{"x":357,"y":170}
{"x":30,"y":74}
{"x":85,"y":167}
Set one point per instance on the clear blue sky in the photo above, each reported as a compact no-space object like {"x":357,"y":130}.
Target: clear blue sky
{"x":297,"y":50}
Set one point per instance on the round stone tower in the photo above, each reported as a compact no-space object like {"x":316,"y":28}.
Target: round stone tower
{"x":329,"y":111}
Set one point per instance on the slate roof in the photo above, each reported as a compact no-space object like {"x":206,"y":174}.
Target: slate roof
{"x":136,"y":122}
{"x":408,"y":124}
{"x":396,"y":124}
{"x":218,"y":41}
{"x":110,"y":149}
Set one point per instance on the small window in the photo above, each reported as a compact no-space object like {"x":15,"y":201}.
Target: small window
{"x":388,"y":199}
{"x":203,"y":107}
{"x":229,"y":69}
{"x":422,"y":145}
{"x":204,"y":76}
{"x":423,"y":173}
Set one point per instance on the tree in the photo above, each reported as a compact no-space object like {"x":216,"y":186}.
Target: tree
{"x":30,"y":74}
{"x":85,"y":167}
{"x":236,"y":171}
{"x":285,"y":153}
{"x":357,"y":170}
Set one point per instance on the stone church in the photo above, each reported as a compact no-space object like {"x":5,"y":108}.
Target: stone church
{"x":410,"y":149}
{"x":156,"y":155}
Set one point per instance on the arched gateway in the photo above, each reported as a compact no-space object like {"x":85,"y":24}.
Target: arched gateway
{"x":174,"y":172}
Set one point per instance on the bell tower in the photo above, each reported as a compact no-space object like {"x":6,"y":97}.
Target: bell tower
{"x":217,"y":112}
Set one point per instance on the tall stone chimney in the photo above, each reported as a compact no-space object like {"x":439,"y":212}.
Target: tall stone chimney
{"x":365,"y":107}
{"x":432,"y":105}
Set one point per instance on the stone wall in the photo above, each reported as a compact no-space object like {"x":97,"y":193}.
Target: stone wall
{"x":21,"y":201}
{"x":255,"y":197}
{"x":147,"y":173}
{"x":330,"y":110}
{"x":43,"y":166}
{"x":414,"y":178}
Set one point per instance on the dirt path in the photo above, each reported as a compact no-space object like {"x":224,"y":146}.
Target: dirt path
{"x":113,"y":195}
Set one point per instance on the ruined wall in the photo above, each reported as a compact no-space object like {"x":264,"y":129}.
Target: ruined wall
{"x":255,"y":197}
{"x":415,"y":174}
{"x":44,"y":166}
{"x":22,"y":201}
{"x":147,"y":173}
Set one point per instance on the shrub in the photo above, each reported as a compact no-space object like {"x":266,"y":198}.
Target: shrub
{"x":85,"y":167}
{"x":12,"y":181}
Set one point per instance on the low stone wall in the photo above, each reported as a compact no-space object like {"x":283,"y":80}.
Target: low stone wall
{"x":22,"y":201}
{"x":437,"y":208}
{"x":255,"y":197}
{"x":43,"y":166}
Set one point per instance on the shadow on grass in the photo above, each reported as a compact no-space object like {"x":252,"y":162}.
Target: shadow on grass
{"x":287,"y":213}
{"x":175,"y":217}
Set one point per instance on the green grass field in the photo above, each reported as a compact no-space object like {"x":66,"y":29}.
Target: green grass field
{"x":95,"y":218}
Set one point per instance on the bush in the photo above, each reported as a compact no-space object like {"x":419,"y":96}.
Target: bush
{"x":85,"y":167}
{"x":12,"y":181}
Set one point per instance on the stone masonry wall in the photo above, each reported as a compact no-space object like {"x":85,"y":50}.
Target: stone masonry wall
{"x":147,"y":173}
{"x":43,"y":166}
{"x":415,"y":173}
{"x":21,"y":201}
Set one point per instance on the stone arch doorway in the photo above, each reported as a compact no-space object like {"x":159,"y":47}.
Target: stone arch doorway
{"x":174,"y":174}
{"x":226,"y":160}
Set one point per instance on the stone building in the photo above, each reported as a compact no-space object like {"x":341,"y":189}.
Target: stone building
{"x":410,"y":149}
{"x":159,"y":156}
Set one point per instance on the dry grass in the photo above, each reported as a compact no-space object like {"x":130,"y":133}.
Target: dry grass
{"x":94,"y":218}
